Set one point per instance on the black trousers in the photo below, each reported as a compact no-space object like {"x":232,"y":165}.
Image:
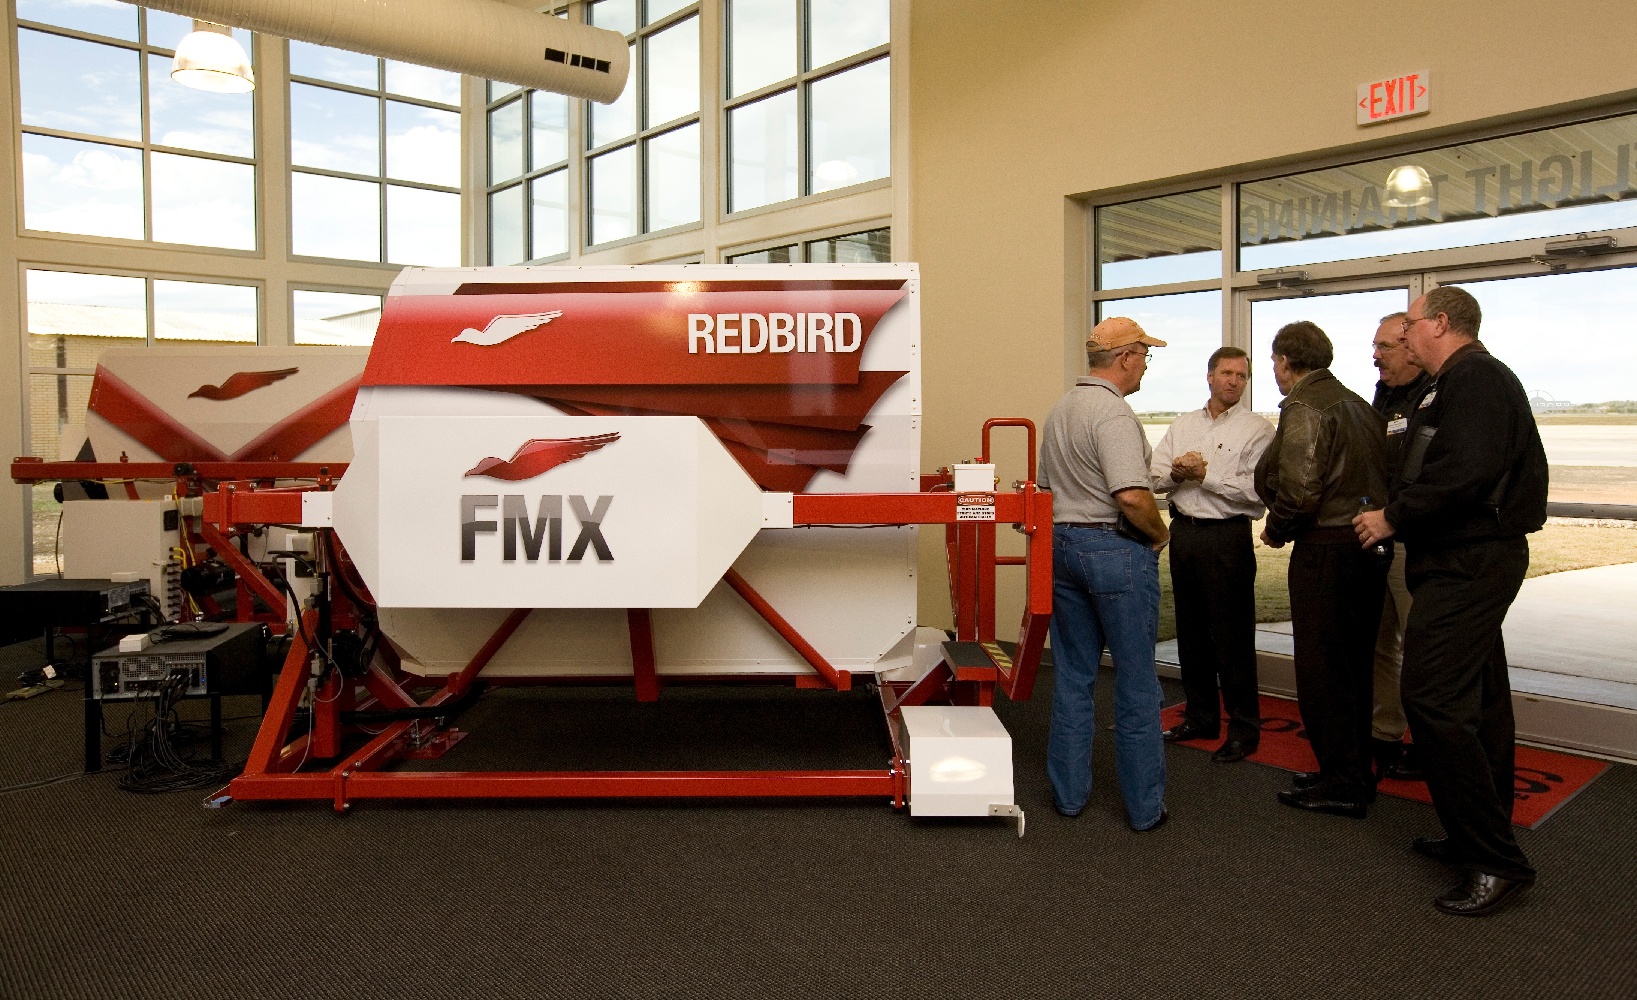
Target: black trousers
{"x":1457,"y":696}
{"x":1335,"y":609}
{"x":1213,"y":578}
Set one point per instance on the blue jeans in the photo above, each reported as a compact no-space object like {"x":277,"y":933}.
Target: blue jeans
{"x":1105,"y":593}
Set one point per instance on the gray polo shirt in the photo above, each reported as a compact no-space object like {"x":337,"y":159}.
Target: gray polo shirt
{"x":1093,"y":445}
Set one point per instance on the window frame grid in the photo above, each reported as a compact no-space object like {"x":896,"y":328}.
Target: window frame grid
{"x":144,"y":48}
{"x":645,"y":131}
{"x":381,"y":95}
{"x":525,"y":96}
{"x":801,"y":241}
{"x":148,"y":338}
{"x":802,"y":83}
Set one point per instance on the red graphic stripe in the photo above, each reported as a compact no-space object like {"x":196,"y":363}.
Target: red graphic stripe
{"x":821,"y":447}
{"x":784,"y":478}
{"x":157,"y":430}
{"x":303,"y":428}
{"x":639,"y":338}
{"x":838,"y":407}
{"x":675,"y":287}
{"x":540,"y":455}
{"x":789,"y":477}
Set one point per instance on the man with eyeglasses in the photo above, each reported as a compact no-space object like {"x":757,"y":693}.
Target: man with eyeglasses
{"x":1206,"y":464}
{"x":1397,"y":393}
{"x":1328,"y":458}
{"x":1471,"y":488}
{"x":1106,"y":539}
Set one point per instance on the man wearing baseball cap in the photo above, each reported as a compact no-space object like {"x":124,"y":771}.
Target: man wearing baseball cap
{"x":1106,"y":539}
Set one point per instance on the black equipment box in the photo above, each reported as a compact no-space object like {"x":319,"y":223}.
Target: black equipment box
{"x":224,"y":663}
{"x":69,"y":602}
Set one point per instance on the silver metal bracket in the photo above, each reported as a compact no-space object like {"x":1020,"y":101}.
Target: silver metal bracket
{"x":1009,"y":809}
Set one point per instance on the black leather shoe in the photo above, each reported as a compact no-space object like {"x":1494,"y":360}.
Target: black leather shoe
{"x":1303,"y":780}
{"x":1478,"y":894}
{"x":1165,"y":814}
{"x":1436,"y":848}
{"x":1316,"y":800}
{"x":1188,"y":731}
{"x":1408,"y":766}
{"x":1232,"y":750}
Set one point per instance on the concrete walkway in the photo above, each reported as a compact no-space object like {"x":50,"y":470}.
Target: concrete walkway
{"x":1569,"y":635}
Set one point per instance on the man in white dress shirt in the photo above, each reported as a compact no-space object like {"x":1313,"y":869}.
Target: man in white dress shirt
{"x":1206,"y":463}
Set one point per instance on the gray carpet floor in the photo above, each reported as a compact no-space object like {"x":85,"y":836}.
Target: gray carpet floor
{"x":104,"y":893}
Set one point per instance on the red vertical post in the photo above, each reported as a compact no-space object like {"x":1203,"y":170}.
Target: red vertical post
{"x":645,"y":676}
{"x":985,"y":597}
{"x":965,"y":568}
{"x":327,"y":706}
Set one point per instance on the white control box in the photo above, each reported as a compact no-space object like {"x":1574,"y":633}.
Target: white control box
{"x":960,"y":760}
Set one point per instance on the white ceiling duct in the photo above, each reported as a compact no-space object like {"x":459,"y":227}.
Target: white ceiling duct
{"x":483,"y":38}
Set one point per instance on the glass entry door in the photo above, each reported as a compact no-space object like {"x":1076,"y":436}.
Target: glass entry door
{"x":1348,"y":314}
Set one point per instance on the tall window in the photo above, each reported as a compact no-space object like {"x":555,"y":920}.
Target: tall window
{"x":528,"y":175}
{"x":113,"y":147}
{"x":809,"y":97}
{"x":642,"y":151}
{"x":783,"y":99}
{"x":375,"y":153}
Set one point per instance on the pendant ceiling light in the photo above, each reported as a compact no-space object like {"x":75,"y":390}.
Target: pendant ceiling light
{"x":210,"y":58}
{"x":1408,"y":187}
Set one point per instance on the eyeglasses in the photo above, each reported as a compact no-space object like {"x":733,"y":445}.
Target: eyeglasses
{"x":1410,"y":321}
{"x":1386,"y":348}
{"x":1140,"y":354}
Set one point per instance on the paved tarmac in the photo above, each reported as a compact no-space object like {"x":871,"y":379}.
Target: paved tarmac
{"x":1566,"y":444}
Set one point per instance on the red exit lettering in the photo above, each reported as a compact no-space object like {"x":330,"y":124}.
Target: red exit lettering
{"x":1394,"y":97}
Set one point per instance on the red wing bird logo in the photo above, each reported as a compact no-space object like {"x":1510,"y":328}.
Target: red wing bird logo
{"x":540,"y":454}
{"x":240,"y":383}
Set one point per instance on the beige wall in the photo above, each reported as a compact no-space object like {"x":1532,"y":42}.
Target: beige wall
{"x":1015,"y":108}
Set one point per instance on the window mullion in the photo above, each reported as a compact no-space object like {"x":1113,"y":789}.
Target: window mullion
{"x":803,"y":174}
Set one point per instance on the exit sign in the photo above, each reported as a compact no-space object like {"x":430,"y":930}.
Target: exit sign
{"x":1395,"y":97}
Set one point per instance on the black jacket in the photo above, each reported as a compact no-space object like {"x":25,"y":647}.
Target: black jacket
{"x":1474,"y":467}
{"x":1395,"y":403}
{"x":1329,"y":453}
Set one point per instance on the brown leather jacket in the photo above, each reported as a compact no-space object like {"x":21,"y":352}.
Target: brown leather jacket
{"x":1329,"y":452}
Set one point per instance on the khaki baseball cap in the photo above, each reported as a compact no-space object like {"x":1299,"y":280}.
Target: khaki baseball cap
{"x":1119,"y":331}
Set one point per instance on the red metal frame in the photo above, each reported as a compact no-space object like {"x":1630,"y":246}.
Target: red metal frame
{"x":279,"y":768}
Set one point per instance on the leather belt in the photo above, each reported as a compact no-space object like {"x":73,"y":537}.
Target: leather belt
{"x":1099,"y":525}
{"x":1207,"y":521}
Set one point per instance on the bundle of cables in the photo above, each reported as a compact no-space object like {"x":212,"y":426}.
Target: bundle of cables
{"x":159,"y":757}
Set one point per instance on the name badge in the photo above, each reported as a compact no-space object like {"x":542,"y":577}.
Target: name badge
{"x":1426,"y":400}
{"x":1398,"y":425}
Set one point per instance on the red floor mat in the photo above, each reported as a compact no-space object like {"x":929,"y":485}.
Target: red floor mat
{"x":1545,"y":779}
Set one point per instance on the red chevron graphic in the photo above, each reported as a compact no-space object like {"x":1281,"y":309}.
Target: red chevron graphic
{"x":240,"y":383}
{"x":537,"y":455}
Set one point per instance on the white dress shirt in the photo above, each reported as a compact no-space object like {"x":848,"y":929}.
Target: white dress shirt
{"x":1231,"y":444}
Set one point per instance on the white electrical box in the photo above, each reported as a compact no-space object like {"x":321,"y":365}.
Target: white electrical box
{"x":960,"y":761}
{"x":974,"y":478}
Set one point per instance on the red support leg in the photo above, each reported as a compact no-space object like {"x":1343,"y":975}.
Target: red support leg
{"x":837,"y":679}
{"x":646,"y":678}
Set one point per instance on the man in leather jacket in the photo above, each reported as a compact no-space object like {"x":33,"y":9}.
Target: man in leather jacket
{"x":1328,"y":460}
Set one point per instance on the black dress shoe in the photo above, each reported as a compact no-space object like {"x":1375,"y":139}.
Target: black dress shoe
{"x":1165,"y":814}
{"x":1407,"y":767}
{"x":1303,"y":780}
{"x":1188,"y":731}
{"x":1318,"y":800}
{"x":1478,"y":894}
{"x":1232,"y":750}
{"x":1436,"y":848}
